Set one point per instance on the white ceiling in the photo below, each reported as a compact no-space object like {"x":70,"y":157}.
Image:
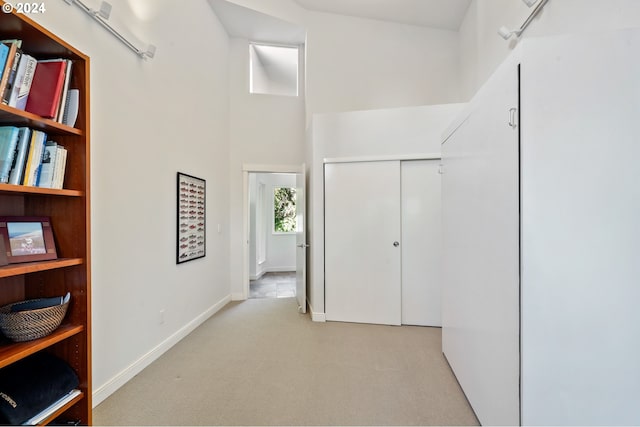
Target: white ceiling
{"x":247,"y":23}
{"x":441,"y":14}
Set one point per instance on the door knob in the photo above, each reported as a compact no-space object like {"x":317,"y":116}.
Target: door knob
{"x":396,"y":244}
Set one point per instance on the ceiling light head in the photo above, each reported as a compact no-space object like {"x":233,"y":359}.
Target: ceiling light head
{"x":506,"y":33}
{"x":150,"y":52}
{"x":105,"y":10}
{"x":529,"y":3}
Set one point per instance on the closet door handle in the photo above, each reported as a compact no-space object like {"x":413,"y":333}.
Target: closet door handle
{"x":396,"y":244}
{"x":512,"y":117}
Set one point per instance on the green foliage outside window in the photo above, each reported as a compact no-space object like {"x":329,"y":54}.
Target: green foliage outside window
{"x":284,"y":209}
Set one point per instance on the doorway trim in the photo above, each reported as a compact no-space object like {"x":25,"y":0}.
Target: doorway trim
{"x":246,"y":170}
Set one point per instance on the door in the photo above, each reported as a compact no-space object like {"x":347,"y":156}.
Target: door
{"x":301,"y":241}
{"x":421,"y":243}
{"x":480,"y":211}
{"x":362,"y":242}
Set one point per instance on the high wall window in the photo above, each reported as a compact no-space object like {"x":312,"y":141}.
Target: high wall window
{"x":284,"y":210}
{"x":273,"y":69}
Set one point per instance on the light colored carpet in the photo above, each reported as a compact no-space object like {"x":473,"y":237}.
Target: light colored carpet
{"x":259,"y":362}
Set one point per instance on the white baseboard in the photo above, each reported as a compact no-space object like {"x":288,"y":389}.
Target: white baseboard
{"x":315,"y":316}
{"x":107,"y":389}
{"x":238,"y":296}
{"x":279,"y":269}
{"x":272,"y":270}
{"x":257,"y":276}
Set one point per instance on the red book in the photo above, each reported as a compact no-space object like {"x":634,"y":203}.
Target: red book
{"x":46,"y":88}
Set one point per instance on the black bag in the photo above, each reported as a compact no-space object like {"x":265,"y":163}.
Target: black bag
{"x":30,"y":385}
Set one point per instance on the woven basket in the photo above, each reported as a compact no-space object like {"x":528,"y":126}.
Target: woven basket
{"x":32,"y":324}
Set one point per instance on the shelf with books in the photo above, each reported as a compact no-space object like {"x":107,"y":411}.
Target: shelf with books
{"x":69,"y":212}
{"x":23,"y":189}
{"x":14,"y":117}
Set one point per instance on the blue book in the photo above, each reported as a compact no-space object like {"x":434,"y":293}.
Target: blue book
{"x":22,"y":151}
{"x":8,"y":144}
{"x":4,"y":52}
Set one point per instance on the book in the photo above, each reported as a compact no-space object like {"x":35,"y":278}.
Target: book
{"x":17,"y":170}
{"x":13,"y":46}
{"x":65,"y":90}
{"x":11,"y":80}
{"x":45,"y":179}
{"x":35,"y":157}
{"x":8,"y":144}
{"x":4,"y":52}
{"x":24,"y":78}
{"x":36,"y":304}
{"x":46,"y":88}
{"x":60,"y":167}
{"x":72,"y":105}
{"x":47,"y":412}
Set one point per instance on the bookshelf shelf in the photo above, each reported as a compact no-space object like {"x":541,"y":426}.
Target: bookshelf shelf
{"x":12,"y":352}
{"x":69,"y":211}
{"x":34,"y":267}
{"x":51,"y":417}
{"x":23,"y":189}
{"x":15,"y":117}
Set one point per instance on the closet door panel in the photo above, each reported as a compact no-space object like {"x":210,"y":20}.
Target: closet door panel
{"x":480,"y":187}
{"x":362,"y":223}
{"x":421,"y":243}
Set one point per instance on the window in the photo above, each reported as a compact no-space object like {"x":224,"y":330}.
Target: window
{"x":273,"y":70}
{"x":284,"y":210}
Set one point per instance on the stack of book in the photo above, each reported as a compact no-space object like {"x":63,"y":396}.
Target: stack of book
{"x":38,"y":86}
{"x":28,"y":158}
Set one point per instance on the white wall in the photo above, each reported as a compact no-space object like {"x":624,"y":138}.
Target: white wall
{"x":280,"y":247}
{"x":264,"y":130}
{"x":259,"y":79}
{"x":149,"y":120}
{"x":361,"y":64}
{"x":482,"y":50}
{"x":410,"y":131}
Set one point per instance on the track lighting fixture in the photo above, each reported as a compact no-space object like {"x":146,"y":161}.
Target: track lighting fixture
{"x":506,"y":33}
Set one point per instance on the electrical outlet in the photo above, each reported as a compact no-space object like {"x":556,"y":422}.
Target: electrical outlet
{"x":162,"y":316}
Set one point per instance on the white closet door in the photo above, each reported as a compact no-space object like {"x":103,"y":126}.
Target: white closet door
{"x":362,"y":242}
{"x":480,"y":210}
{"x":421,"y":243}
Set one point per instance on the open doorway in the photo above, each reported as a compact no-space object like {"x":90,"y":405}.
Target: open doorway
{"x":272,"y":235}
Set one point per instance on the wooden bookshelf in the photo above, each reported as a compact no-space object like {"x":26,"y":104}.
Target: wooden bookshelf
{"x":69,"y":210}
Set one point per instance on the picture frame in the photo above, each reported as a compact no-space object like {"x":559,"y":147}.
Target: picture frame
{"x":191,"y":240}
{"x":27,"y":238}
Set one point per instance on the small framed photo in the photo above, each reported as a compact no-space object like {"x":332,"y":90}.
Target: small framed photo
{"x":27,"y":238}
{"x":191,"y":241}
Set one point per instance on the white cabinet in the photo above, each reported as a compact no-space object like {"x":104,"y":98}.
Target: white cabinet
{"x":383,"y":242}
{"x":541,"y":236}
{"x":480,"y":206}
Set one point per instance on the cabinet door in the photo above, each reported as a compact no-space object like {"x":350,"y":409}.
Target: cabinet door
{"x":362,"y":242}
{"x":421,"y":243}
{"x":480,"y":312}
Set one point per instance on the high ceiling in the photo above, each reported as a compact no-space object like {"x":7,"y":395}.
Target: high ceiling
{"x":441,"y":14}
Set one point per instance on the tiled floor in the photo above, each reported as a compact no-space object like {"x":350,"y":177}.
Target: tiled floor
{"x":274,"y":285}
